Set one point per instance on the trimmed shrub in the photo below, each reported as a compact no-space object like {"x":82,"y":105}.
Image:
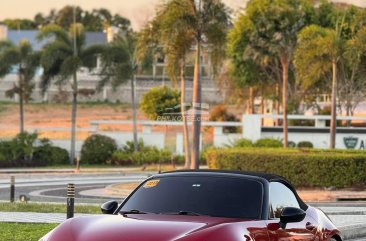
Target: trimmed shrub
{"x":291,"y":144}
{"x":306,"y":168}
{"x":242,"y":142}
{"x":268,"y":142}
{"x":52,"y":155}
{"x":97,"y":149}
{"x":146,"y":155}
{"x":305,"y":144}
{"x":150,"y":155}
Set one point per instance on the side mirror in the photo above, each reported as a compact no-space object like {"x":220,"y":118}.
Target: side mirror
{"x":109,"y":207}
{"x":291,"y":215}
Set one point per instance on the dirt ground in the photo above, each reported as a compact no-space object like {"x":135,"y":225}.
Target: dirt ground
{"x":45,"y":117}
{"x":48,"y":116}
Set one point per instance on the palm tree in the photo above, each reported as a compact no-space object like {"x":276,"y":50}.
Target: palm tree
{"x":318,"y":54}
{"x":275,"y":24}
{"x":181,"y":24}
{"x":26,"y":60}
{"x":118,"y":66}
{"x":62,"y":58}
{"x":175,"y":46}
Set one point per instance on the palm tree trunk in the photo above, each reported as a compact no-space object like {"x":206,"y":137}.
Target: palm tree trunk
{"x":187,"y":148}
{"x":196,"y":108}
{"x":73,"y":117}
{"x":251,"y":101}
{"x":21,"y":105}
{"x":285,"y":66}
{"x":277,"y":103}
{"x":134,"y":113}
{"x":333,"y":121}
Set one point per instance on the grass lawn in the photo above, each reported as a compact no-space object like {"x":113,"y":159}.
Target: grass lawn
{"x":24,"y":231}
{"x":46,"y":208}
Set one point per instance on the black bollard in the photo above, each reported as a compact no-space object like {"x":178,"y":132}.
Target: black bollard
{"x":12,"y":189}
{"x":70,"y":200}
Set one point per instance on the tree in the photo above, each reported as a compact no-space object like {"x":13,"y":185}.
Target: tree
{"x":318,"y":54}
{"x":26,"y":61}
{"x":275,"y":24}
{"x":19,"y":24}
{"x":161,"y":103}
{"x":182,"y":24}
{"x":62,"y":58}
{"x":250,"y":68}
{"x":118,"y":66}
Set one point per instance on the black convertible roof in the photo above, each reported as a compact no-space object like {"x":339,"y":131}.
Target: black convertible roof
{"x":267,"y":176}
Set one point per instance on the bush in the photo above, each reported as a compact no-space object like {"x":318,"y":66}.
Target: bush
{"x":268,"y":142}
{"x":146,"y":155}
{"x":150,"y":155}
{"x":52,"y":155}
{"x":305,"y":144}
{"x":97,"y":149}
{"x":161,"y":102}
{"x":242,"y":142}
{"x":26,"y":150}
{"x":220,"y":113}
{"x":306,"y":168}
{"x":291,"y":144}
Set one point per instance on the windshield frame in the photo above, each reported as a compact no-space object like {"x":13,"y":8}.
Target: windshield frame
{"x":264,"y":184}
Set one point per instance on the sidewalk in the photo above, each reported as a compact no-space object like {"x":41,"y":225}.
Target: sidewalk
{"x":351,"y":221}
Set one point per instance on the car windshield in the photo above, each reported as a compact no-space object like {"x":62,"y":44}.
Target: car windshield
{"x":229,"y":197}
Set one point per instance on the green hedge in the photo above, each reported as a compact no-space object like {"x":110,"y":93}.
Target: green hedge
{"x":305,"y":168}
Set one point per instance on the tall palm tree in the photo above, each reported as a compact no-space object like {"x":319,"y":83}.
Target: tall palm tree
{"x":62,"y":58}
{"x":275,"y":25}
{"x":26,"y":60}
{"x":318,"y":54}
{"x":186,"y":23}
{"x":175,"y":45}
{"x":118,"y":66}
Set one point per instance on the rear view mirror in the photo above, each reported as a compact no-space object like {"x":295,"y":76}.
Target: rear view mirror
{"x":109,"y":207}
{"x":291,"y":215}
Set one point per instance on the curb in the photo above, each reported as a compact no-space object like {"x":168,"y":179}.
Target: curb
{"x":353,"y":232}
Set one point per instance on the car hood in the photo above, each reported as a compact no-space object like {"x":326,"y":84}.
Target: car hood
{"x":140,"y":227}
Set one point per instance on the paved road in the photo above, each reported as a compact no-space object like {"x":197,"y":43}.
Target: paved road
{"x":52,"y":187}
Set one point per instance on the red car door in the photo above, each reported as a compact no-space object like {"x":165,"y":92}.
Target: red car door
{"x":280,"y":196}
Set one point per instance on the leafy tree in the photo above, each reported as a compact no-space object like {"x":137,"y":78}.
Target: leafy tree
{"x":26,"y":61}
{"x":62,"y":58}
{"x":275,"y":24}
{"x":19,"y":24}
{"x":118,"y":66}
{"x":161,"y":102}
{"x":200,"y":23}
{"x":336,"y":53}
{"x":319,"y":53}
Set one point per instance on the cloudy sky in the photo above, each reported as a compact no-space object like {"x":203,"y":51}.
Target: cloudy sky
{"x":136,"y":10}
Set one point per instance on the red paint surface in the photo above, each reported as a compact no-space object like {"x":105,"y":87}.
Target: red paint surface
{"x":154,"y":227}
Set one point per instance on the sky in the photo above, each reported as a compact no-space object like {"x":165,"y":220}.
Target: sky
{"x":138,"y":11}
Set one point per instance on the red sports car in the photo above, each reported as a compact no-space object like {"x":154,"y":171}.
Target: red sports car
{"x":204,"y":206}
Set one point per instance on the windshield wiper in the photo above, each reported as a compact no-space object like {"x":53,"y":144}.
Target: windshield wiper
{"x":188,"y":213}
{"x":133,"y":211}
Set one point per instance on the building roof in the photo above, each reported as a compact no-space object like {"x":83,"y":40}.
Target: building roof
{"x":15,"y":36}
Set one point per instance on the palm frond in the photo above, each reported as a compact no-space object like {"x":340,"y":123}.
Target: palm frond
{"x":54,"y":31}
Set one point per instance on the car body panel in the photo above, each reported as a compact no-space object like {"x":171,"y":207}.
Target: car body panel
{"x":174,"y":227}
